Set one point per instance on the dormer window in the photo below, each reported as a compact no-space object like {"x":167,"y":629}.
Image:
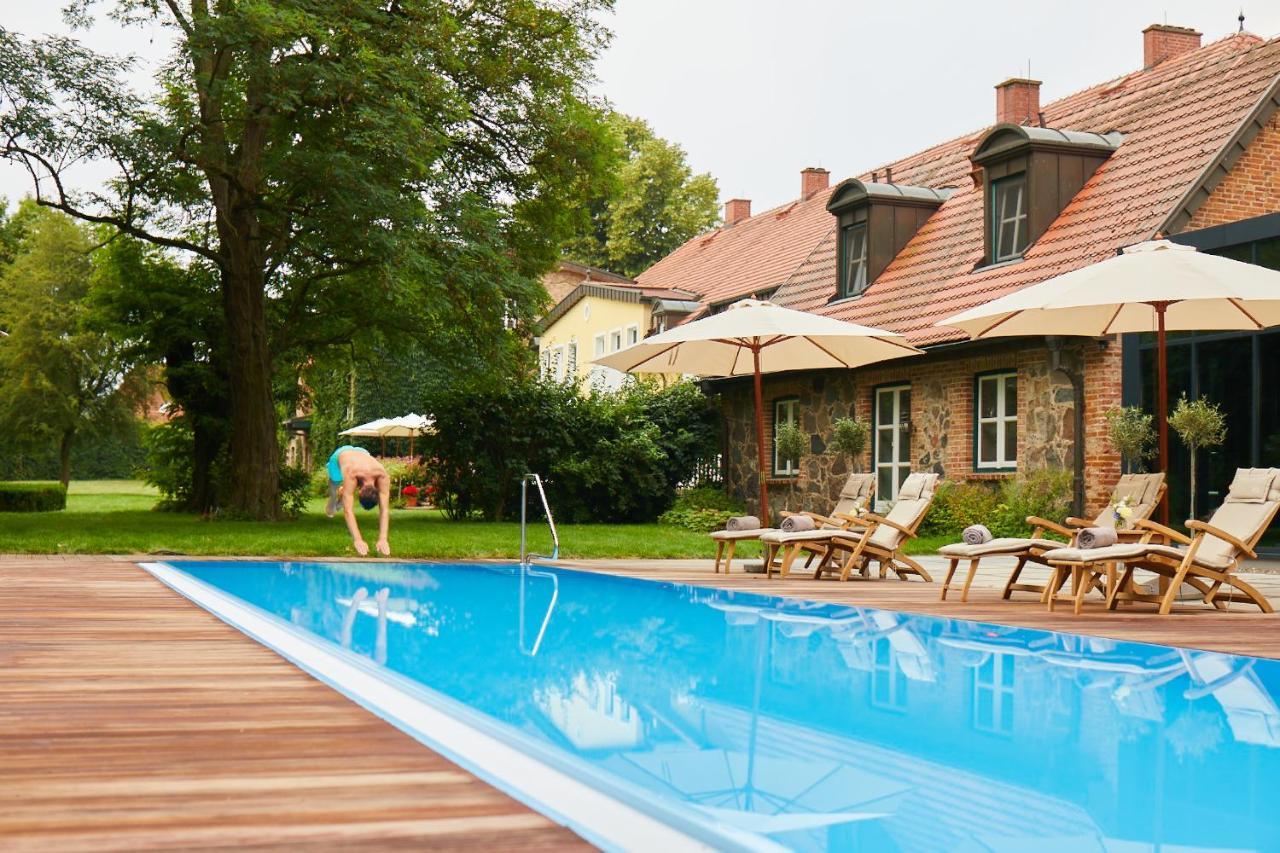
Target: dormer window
{"x":1009,"y":217}
{"x":853,"y":248}
{"x":875,"y":222}
{"x":1030,"y":175}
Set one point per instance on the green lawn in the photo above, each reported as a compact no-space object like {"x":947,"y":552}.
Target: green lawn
{"x":115,"y":517}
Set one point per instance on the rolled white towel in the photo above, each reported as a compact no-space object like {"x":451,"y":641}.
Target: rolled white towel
{"x":742,"y":522}
{"x":797,"y":524}
{"x":1096,"y":537}
{"x":976,"y":534}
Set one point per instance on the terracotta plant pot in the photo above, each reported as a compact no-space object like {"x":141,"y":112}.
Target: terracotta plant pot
{"x":412,"y":500}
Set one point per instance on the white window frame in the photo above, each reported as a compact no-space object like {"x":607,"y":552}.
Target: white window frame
{"x":615,"y":339}
{"x":896,"y":432}
{"x":602,"y":344}
{"x":557,"y":363}
{"x":546,"y":363}
{"x":1001,"y":419}
{"x":791,"y":405}
{"x":990,"y":684}
{"x":888,"y":681}
{"x":855,"y":284}
{"x":1002,"y":217}
{"x":633,"y":335}
{"x":571,"y":359}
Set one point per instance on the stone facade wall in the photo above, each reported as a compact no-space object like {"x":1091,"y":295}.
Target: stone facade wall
{"x":942,"y":419}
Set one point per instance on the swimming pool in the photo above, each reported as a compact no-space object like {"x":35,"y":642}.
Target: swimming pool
{"x":625,"y":708}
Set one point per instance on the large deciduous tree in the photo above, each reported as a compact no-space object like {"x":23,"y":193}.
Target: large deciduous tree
{"x":58,"y":371}
{"x":341,"y":164}
{"x":647,"y":205}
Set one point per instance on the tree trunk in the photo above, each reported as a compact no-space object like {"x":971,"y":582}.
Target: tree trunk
{"x":255,"y":452}
{"x":64,"y":457}
{"x":1193,"y":482}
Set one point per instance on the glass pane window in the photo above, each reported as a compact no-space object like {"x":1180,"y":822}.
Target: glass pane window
{"x":615,"y":340}
{"x":853,"y":250}
{"x":633,"y":335}
{"x":784,"y":412}
{"x":892,"y":442}
{"x":571,"y":363}
{"x":599,"y":345}
{"x":1008,"y":217}
{"x":996,"y":424}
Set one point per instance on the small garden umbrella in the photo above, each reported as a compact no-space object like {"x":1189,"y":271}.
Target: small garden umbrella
{"x":1156,"y":286}
{"x":752,"y":337}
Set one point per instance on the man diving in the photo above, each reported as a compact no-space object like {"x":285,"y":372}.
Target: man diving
{"x":355,"y":474}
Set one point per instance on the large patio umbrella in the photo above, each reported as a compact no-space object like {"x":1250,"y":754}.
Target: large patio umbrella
{"x":753,"y":337}
{"x":408,"y":426}
{"x":1156,"y":286}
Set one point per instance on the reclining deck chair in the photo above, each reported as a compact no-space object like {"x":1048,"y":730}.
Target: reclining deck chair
{"x":855,"y":498}
{"x":857,"y":492}
{"x":1143,"y":490}
{"x":1206,"y":561}
{"x":880,"y":538}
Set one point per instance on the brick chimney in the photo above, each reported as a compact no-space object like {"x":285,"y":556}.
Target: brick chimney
{"x":1161,"y":42}
{"x":736,"y":210}
{"x":813,"y":180}
{"x":1017,"y":101}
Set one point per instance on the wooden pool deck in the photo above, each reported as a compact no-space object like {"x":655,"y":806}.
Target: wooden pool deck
{"x":130,"y":719}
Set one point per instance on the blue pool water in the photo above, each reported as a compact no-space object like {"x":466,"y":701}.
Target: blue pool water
{"x":822,"y":727}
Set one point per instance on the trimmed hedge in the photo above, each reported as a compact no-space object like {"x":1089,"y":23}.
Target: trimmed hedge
{"x":32,"y":497}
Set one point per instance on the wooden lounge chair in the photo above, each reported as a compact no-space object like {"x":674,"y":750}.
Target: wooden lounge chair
{"x":855,"y":497}
{"x":857,"y":492}
{"x":1143,"y":490}
{"x":1207,"y":560}
{"x":880,"y":538}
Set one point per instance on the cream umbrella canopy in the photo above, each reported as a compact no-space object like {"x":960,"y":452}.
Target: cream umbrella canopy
{"x":1156,"y":286}
{"x":753,"y":337}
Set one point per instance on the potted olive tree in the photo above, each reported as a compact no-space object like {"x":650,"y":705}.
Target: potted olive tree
{"x":849,"y":437}
{"x":1198,"y":423}
{"x":1132,"y":435}
{"x":793,"y":444}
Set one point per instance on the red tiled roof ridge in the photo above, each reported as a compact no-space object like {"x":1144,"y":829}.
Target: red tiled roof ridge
{"x":1058,"y":104}
{"x":1176,"y":118}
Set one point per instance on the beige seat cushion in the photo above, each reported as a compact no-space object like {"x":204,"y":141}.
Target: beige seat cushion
{"x":1005,"y":545}
{"x":1134,"y":552}
{"x":726,"y":535}
{"x":906,"y":512}
{"x":781,"y":537}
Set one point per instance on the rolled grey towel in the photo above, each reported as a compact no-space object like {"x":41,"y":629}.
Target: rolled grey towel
{"x":742,"y":522}
{"x":976,"y":534}
{"x":1096,"y":537}
{"x":797,"y":524}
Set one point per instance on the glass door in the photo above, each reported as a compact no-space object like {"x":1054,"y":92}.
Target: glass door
{"x":892,"y":440}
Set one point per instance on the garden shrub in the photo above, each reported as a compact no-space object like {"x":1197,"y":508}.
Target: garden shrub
{"x":1045,"y":493}
{"x":605,"y":456}
{"x":1004,"y":509}
{"x":958,"y":505}
{"x":32,"y":497}
{"x":702,"y":509}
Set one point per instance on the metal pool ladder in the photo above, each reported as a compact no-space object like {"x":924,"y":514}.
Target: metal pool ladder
{"x":526,"y":566}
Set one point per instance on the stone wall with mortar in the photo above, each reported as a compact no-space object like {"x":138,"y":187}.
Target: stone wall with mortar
{"x":942,"y":417}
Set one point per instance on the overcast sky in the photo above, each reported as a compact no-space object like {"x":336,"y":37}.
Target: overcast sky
{"x":755,"y":90}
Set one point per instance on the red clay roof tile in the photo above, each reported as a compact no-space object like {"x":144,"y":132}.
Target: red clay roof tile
{"x":1174,"y":117}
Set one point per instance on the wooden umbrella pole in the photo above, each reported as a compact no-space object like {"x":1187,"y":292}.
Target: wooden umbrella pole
{"x":1162,"y":403}
{"x":760,"y":461}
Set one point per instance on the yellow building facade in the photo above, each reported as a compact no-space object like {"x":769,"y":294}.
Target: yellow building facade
{"x":595,"y":320}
